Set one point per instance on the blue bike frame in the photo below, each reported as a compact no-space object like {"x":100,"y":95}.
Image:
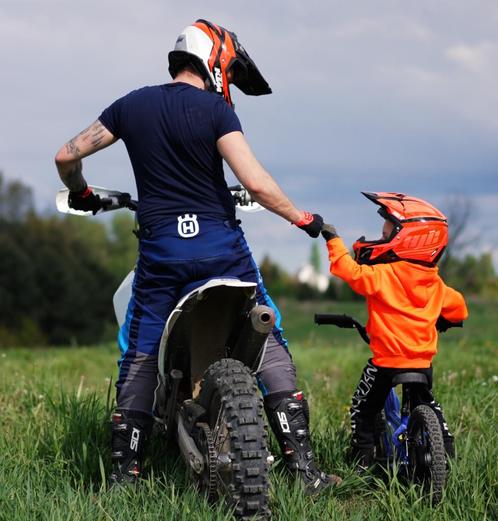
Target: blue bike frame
{"x":398,"y":424}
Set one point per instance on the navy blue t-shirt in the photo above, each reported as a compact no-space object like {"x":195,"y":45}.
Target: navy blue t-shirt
{"x":170,"y":132}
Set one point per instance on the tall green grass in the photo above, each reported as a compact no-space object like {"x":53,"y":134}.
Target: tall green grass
{"x":54,"y":435}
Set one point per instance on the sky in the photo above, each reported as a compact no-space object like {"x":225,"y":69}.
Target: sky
{"x":372,"y":95}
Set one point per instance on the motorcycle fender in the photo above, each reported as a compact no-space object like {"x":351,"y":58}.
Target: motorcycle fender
{"x":122,"y":297}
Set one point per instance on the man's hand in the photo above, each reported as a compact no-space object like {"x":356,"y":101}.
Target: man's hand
{"x":85,"y":200}
{"x":329,"y":232}
{"x":311,"y":224}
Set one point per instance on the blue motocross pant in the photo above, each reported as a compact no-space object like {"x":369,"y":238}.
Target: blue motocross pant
{"x":169,"y":266}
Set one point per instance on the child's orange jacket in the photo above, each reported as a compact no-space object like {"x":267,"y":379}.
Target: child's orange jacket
{"x":404,"y":301}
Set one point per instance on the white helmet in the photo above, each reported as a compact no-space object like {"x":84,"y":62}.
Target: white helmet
{"x":213,"y":51}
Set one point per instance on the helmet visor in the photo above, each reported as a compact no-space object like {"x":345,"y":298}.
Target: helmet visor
{"x":246,"y":76}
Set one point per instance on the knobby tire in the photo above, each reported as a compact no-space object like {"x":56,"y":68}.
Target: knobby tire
{"x":426,"y":451}
{"x":235,"y":415}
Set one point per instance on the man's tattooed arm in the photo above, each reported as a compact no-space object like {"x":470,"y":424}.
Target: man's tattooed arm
{"x":87,"y":142}
{"x":72,"y":176}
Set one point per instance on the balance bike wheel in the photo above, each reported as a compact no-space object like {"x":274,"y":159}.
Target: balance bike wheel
{"x":235,"y":417}
{"x":426,"y":451}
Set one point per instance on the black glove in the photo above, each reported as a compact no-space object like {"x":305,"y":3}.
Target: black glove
{"x":329,"y":232}
{"x":85,"y":200}
{"x":311,"y":224}
{"x":442,"y":324}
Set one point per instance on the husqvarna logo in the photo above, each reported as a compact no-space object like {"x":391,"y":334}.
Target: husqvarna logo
{"x":188,"y":225}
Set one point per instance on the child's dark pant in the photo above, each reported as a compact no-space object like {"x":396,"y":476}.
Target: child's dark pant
{"x":370,"y":395}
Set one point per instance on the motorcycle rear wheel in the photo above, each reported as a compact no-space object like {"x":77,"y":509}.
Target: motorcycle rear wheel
{"x":235,"y":416}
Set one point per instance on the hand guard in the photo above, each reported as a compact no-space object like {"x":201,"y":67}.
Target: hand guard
{"x":311,"y":224}
{"x":329,"y":232}
{"x":85,"y":200}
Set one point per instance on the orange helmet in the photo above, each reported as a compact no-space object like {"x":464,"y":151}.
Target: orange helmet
{"x":420,"y":232}
{"x":213,"y":51}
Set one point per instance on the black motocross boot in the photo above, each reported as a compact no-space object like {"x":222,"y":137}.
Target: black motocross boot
{"x":363,"y":458}
{"x":130,"y":432}
{"x":288,"y":415}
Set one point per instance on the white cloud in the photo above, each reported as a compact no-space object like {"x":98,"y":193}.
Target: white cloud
{"x":412,"y":80}
{"x":475,"y":58}
{"x":385,"y":27}
{"x":469,"y":90}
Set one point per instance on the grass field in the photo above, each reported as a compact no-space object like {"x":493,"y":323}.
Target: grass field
{"x":54,"y":411}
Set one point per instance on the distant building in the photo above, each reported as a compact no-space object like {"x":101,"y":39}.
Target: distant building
{"x":307,"y":274}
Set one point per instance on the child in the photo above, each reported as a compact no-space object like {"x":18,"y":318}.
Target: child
{"x":405,"y":297}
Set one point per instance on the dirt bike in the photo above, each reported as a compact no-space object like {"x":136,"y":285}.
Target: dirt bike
{"x":207,"y":399}
{"x":408,"y":440}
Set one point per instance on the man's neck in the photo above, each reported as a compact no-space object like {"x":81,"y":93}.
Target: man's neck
{"x":191,"y":78}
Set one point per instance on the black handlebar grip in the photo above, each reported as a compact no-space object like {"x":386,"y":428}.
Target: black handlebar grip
{"x":335,"y":320}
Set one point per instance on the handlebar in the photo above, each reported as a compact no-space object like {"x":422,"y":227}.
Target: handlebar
{"x":240,"y":195}
{"x":345,"y":321}
{"x":123,"y":200}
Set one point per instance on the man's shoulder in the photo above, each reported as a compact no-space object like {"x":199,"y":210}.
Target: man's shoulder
{"x":135,"y":96}
{"x":147,"y":90}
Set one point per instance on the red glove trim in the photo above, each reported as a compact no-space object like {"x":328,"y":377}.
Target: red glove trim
{"x":307,"y":219}
{"x":88,"y":191}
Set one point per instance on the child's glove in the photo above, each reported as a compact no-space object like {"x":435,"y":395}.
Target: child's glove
{"x":442,"y":324}
{"x":329,"y":232}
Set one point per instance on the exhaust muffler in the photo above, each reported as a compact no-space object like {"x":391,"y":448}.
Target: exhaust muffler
{"x":252,"y":339}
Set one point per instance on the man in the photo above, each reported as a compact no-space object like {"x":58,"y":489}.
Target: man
{"x":176,"y":136}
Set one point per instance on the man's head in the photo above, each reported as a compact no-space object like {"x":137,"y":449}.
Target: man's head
{"x":217,"y":56}
{"x":413,"y":230}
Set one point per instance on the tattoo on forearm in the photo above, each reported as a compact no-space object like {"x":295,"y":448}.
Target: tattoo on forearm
{"x":72,"y":149}
{"x":73,"y":178}
{"x":86,"y":142}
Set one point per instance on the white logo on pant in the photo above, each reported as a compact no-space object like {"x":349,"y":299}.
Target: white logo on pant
{"x":135,"y":436}
{"x":284,"y":424}
{"x":188,"y":225}
{"x":364,"y":387}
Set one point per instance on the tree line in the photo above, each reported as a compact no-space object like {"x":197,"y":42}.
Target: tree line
{"x":58,"y":273}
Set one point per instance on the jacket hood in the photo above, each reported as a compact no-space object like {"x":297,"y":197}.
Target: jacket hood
{"x":419,"y":282}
